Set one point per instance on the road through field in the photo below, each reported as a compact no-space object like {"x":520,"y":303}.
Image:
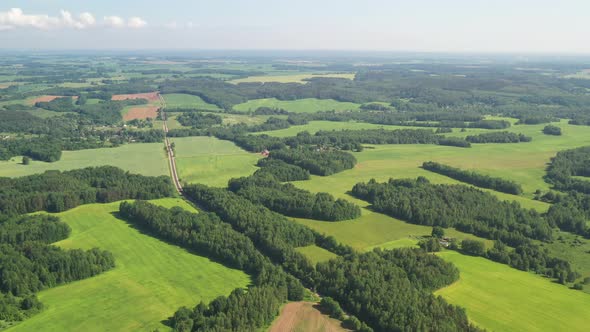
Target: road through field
{"x":169,"y":150}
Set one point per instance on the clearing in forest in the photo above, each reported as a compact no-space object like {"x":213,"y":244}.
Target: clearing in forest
{"x":308,"y":105}
{"x":303,"y":316}
{"x":210,"y":161}
{"x":296,"y":78}
{"x":143,"y":158}
{"x":149,"y":96}
{"x":182,"y":100}
{"x":141,"y":113}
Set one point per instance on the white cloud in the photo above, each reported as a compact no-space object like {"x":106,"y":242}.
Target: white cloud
{"x":136,"y":22}
{"x":87,"y":18}
{"x":114,"y":21}
{"x":16,"y":18}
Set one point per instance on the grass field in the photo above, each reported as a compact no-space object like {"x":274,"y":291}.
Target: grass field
{"x":295,"y":78}
{"x":316,"y":254}
{"x":308,"y":105}
{"x":178,"y":100}
{"x":210,"y":161}
{"x":150,"y":281}
{"x":142,"y":158}
{"x":500,"y":298}
{"x":524,"y":163}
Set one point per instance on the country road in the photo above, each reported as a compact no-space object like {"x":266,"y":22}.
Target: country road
{"x":169,"y":150}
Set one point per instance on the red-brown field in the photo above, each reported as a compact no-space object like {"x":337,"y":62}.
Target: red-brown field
{"x":302,"y":316}
{"x":141,"y":112}
{"x":150,"y":96}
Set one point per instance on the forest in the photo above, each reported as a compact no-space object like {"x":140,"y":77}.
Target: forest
{"x":465,"y":208}
{"x":416,"y":274}
{"x":29,"y":264}
{"x":474,"y":178}
{"x":56,"y":191}
{"x":498,"y":137}
{"x":288,"y":200}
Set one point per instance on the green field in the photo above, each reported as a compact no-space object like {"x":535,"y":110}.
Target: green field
{"x":524,"y":163}
{"x":178,"y":100}
{"x":150,"y":281}
{"x":295,"y":78}
{"x":210,"y":161}
{"x":500,"y":298}
{"x":143,"y":158}
{"x":316,"y":254}
{"x":308,"y":105}
{"x":315,"y":126}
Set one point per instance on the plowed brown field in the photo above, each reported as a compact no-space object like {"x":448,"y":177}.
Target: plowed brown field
{"x":303,"y":317}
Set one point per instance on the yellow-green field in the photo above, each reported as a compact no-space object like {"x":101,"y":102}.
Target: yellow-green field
{"x":316,"y":254}
{"x":150,"y":281}
{"x":500,"y":298}
{"x":308,"y":105}
{"x":296,"y":78}
{"x":210,"y":161}
{"x":143,"y":158}
{"x":179,"y":100}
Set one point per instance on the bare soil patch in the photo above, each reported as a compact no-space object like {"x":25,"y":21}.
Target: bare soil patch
{"x":150,"y":96}
{"x":303,"y":316}
{"x":141,"y":112}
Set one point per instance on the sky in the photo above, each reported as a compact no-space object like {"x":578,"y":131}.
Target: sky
{"x":498,"y":26}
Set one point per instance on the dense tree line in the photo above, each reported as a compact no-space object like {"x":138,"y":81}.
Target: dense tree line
{"x":468,"y":209}
{"x":105,"y":112}
{"x":41,"y":228}
{"x":432,"y":119}
{"x":391,"y":290}
{"x":45,"y":139}
{"x":377,"y":136}
{"x":29,"y":264}
{"x":43,"y":149}
{"x":474,"y":178}
{"x":570,"y":213}
{"x":552,"y":130}
{"x":281,"y":170}
{"x":567,"y":164}
{"x":534,"y":118}
{"x":498,"y":137}
{"x":292,"y":201}
{"x":57,"y":191}
{"x":205,"y":234}
{"x":273,"y":234}
{"x":240,"y":311}
{"x":316,"y":161}
{"x":199,"y":120}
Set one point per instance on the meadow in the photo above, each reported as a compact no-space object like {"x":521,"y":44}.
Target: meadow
{"x":294,"y":78}
{"x":150,"y":281}
{"x":179,"y":100}
{"x":500,"y":298}
{"x":143,"y":158}
{"x":308,"y":105}
{"x":210,"y":161}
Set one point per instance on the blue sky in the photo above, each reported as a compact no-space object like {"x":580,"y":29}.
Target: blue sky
{"x":418,"y":25}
